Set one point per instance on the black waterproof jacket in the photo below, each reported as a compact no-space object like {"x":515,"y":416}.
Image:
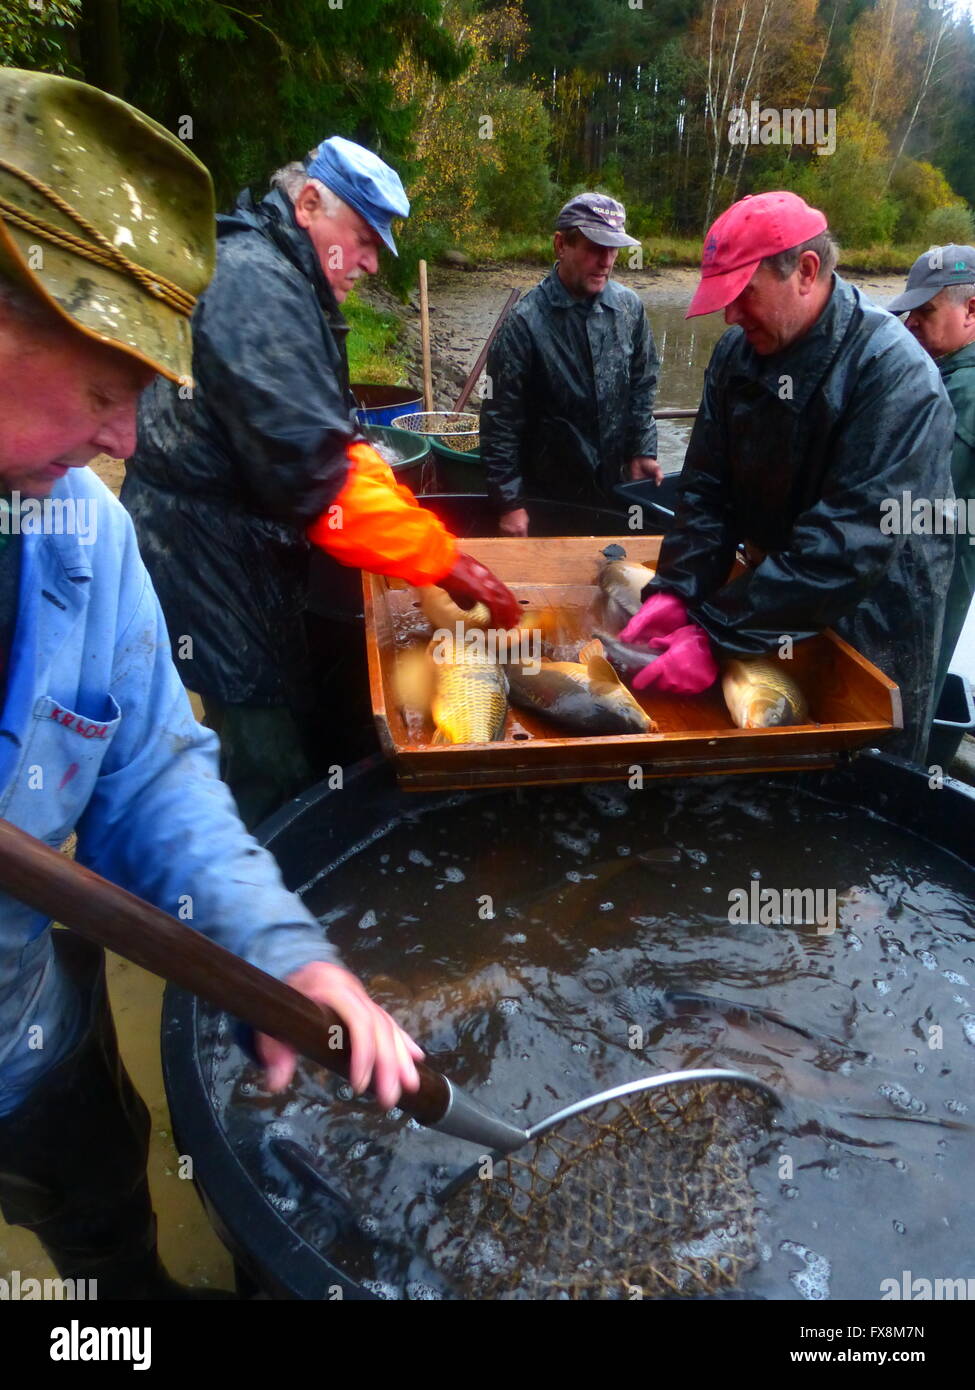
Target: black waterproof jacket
{"x":796,"y":453}
{"x":572,"y":385}
{"x":227,"y":476}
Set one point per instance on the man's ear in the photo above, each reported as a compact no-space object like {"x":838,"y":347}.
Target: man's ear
{"x":307,"y":204}
{"x":808,"y":270}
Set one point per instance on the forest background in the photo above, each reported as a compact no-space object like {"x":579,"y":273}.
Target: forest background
{"x":495,"y":113}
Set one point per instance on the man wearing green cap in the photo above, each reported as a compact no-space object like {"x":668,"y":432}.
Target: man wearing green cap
{"x":105,"y":242}
{"x":939,"y":301}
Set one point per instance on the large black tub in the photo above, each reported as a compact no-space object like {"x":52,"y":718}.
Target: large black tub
{"x":610,"y":911}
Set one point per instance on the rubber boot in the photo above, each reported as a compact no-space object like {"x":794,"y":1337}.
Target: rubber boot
{"x":73,"y":1157}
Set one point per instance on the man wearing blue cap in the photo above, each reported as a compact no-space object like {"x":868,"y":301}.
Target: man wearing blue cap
{"x":235,"y":480}
{"x":573,"y":375}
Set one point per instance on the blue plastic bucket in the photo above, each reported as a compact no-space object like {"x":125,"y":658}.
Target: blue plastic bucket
{"x":381,"y":403}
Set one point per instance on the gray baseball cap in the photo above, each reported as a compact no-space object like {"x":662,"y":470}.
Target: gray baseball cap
{"x":931,"y":272}
{"x":598,"y":217}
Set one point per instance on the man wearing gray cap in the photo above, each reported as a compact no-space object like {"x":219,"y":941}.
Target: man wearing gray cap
{"x":572,"y":377}
{"x":234,"y":481}
{"x":940,"y":305}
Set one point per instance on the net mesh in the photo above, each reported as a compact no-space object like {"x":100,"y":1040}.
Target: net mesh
{"x":455,"y":430}
{"x":645,"y":1196}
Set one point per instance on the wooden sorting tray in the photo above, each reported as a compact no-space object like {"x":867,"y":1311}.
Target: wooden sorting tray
{"x":852,"y":702}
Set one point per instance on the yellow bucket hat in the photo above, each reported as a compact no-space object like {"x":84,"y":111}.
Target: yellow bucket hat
{"x":105,"y":215}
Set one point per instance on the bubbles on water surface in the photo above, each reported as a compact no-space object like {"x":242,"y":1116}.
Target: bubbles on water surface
{"x":901,"y":1098}
{"x":285,"y":1205}
{"x":381,"y":1289}
{"x":422,"y":1293}
{"x":812,"y":1282}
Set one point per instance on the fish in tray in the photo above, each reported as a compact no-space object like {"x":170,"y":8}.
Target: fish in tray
{"x":622,"y":581}
{"x":583,"y":697}
{"x":470,"y":699}
{"x":441,"y":611}
{"x":625,"y":657}
{"x":760,"y":695}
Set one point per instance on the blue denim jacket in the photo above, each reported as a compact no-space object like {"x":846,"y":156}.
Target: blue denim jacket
{"x":97,"y":735}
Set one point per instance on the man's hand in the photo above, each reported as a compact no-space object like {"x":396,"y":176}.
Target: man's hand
{"x":514,"y":523}
{"x":642,"y":467}
{"x":382,"y":1054}
{"x":470,"y":581}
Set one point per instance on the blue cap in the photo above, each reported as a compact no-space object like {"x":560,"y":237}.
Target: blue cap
{"x":361,"y":179}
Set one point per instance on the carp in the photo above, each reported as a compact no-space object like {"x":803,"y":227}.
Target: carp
{"x":760,"y":695}
{"x":584,"y":696}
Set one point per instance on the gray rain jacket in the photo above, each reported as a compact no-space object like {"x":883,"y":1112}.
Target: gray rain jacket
{"x":797,"y":452}
{"x":572,"y":390}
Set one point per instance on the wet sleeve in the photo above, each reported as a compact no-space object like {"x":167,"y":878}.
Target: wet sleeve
{"x":376,"y":525}
{"x":272,"y":386}
{"x":895,"y":437}
{"x":641,"y":431}
{"x":504,"y":414}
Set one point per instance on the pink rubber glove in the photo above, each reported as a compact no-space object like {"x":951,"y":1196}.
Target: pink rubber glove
{"x":661,"y":614}
{"x":686,"y":667}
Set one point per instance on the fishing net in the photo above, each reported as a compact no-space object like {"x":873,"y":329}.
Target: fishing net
{"x":645,"y":1196}
{"x":455,"y":430}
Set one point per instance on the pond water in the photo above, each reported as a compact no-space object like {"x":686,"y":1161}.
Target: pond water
{"x":546,"y":943}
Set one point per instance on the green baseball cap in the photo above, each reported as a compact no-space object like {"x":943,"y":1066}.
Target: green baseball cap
{"x":105,"y":215}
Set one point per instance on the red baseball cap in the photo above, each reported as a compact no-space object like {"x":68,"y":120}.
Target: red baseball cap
{"x":741,"y":238}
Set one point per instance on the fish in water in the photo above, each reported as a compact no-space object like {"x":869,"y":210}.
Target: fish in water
{"x":441,"y":611}
{"x":470,"y":694}
{"x":760,"y":695}
{"x":622,"y":582}
{"x":625,"y":657}
{"x":584,"y":696}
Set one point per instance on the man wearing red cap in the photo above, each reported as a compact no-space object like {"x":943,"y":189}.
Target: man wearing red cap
{"x":818,"y":407}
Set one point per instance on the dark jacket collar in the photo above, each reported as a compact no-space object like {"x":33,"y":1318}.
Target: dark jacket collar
{"x":560,"y":298}
{"x":273,"y":218}
{"x":807,"y":361}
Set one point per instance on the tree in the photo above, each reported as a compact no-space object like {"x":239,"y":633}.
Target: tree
{"x":38,"y":36}
{"x":249,"y":85}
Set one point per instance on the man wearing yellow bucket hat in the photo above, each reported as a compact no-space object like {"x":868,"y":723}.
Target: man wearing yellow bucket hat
{"x":105,"y":241}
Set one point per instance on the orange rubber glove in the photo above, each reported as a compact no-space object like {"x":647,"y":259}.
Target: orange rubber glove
{"x":375,"y":524}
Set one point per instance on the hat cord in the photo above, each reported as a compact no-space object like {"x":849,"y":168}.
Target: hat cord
{"x":104,"y":253}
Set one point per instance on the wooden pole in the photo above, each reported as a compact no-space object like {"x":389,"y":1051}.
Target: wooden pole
{"x":425,"y":339}
{"x":471,"y":381}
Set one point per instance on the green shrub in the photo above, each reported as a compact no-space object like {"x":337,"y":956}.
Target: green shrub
{"x":949,"y":224}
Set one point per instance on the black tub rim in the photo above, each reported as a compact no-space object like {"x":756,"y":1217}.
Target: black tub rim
{"x":258,"y":1238}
